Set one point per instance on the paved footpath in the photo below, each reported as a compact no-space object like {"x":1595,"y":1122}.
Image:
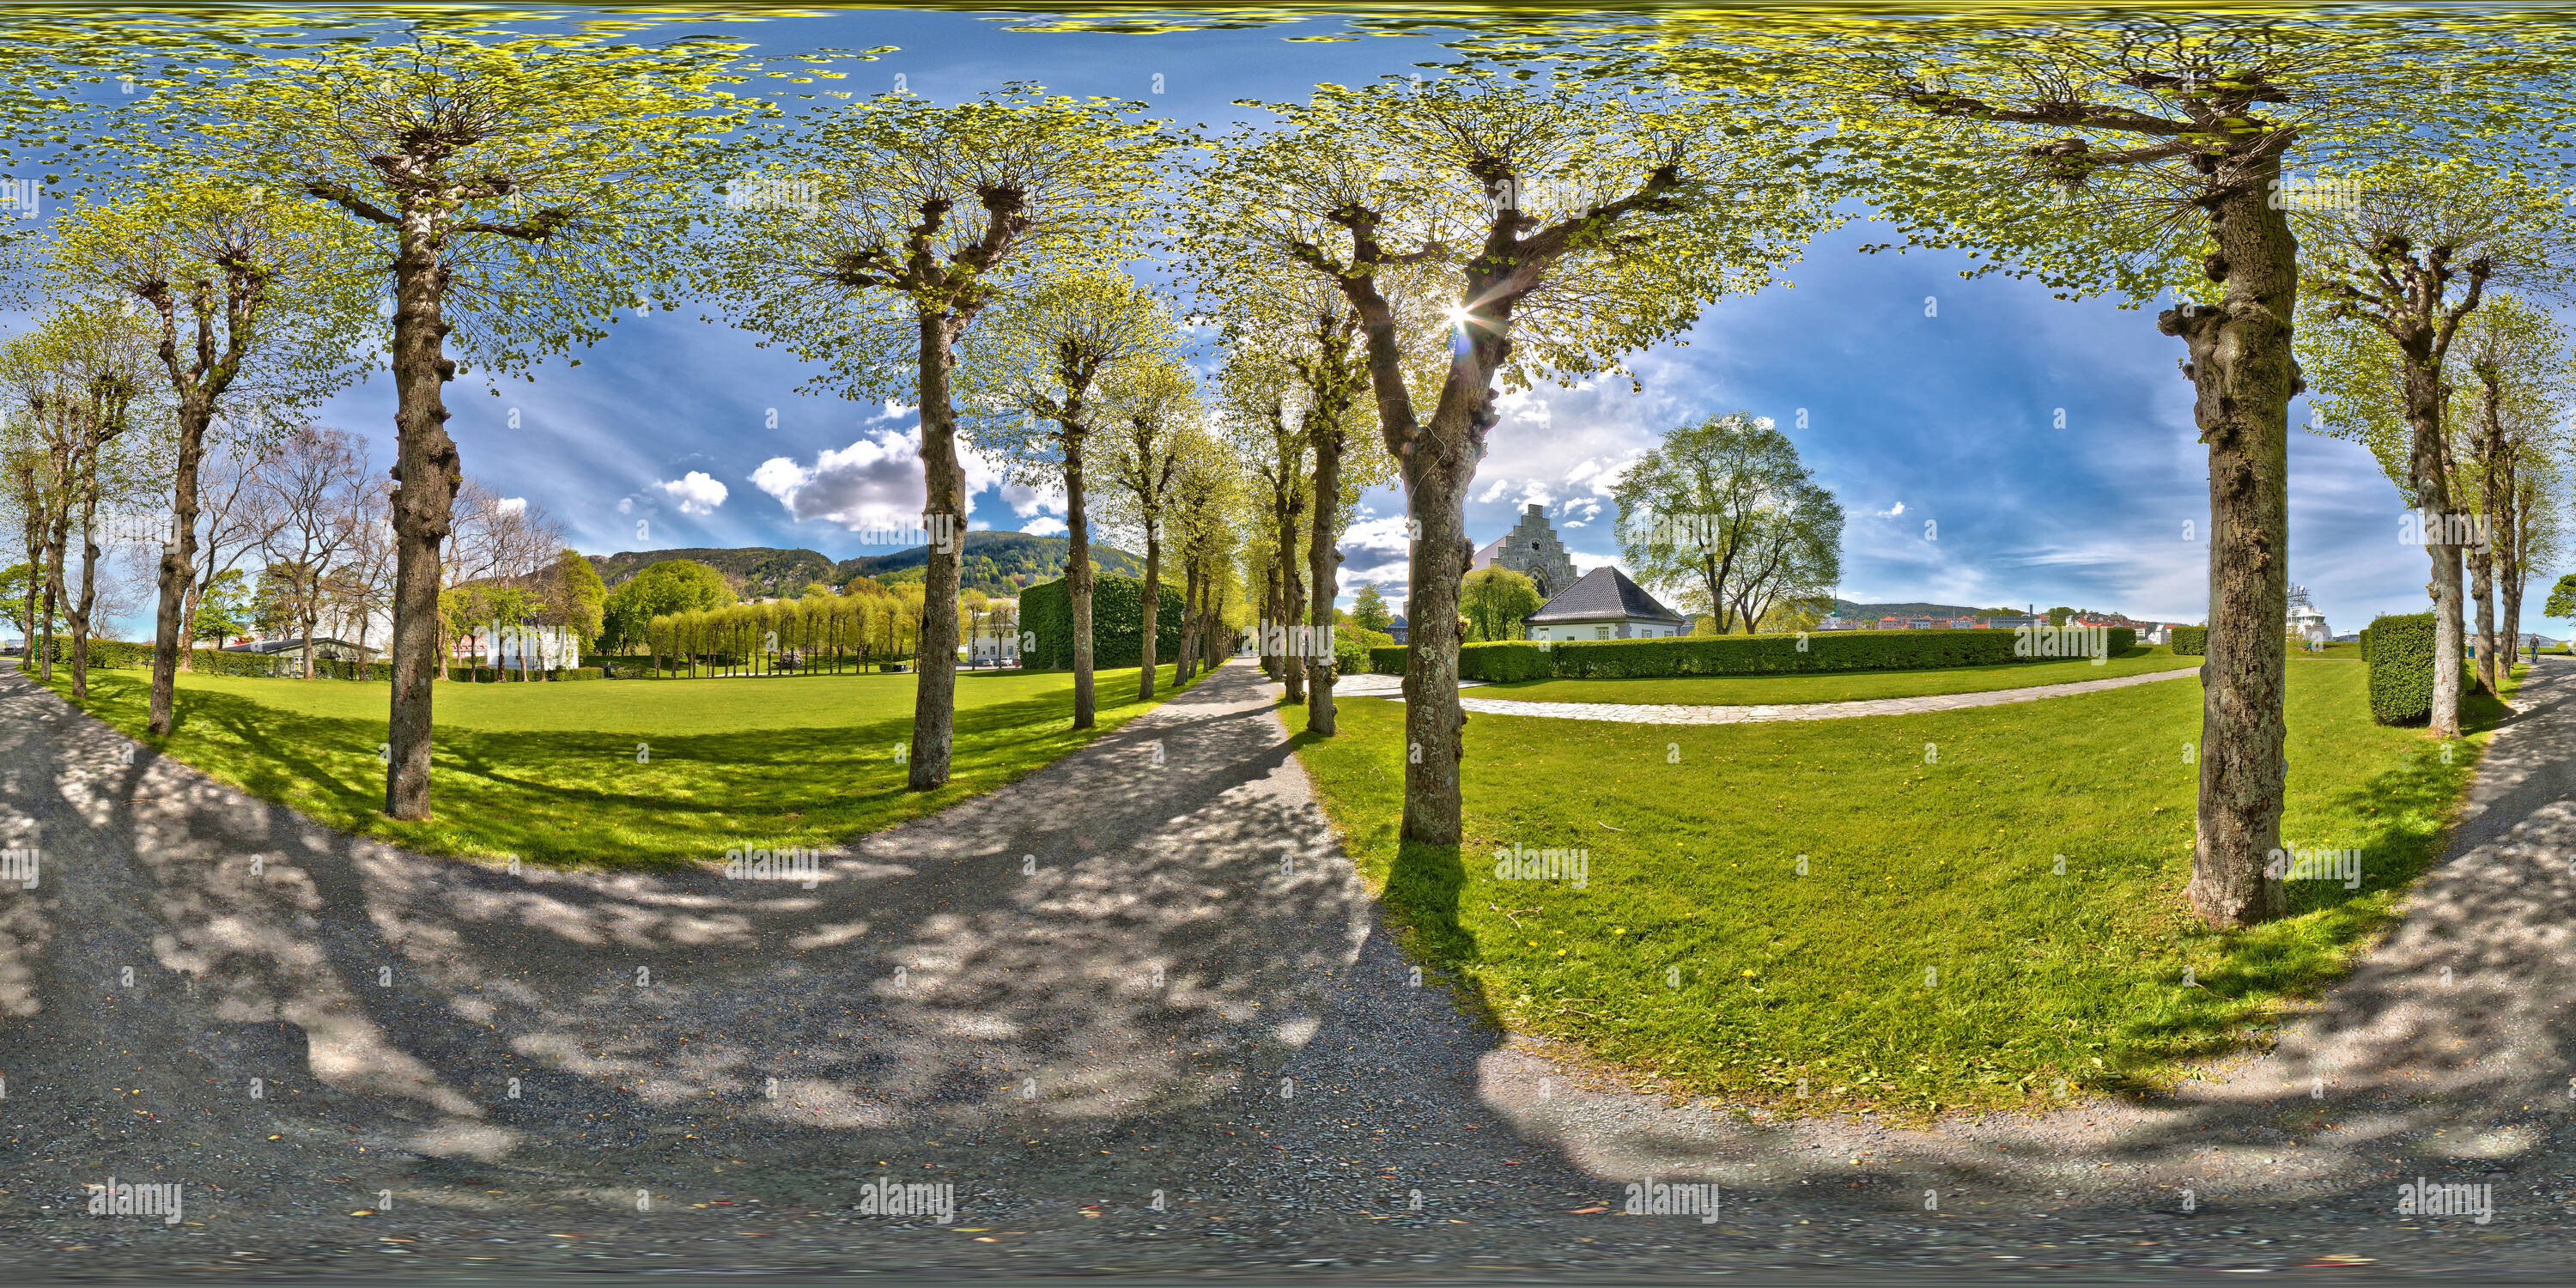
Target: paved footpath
{"x":1139,"y":1014}
{"x":1665,"y":713}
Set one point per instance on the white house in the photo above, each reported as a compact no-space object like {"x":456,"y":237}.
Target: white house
{"x":1604,"y":605}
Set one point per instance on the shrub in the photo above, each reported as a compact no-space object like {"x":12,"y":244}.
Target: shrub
{"x":2398,"y":652}
{"x":1117,"y":623}
{"x":580,"y":673}
{"x":1814,"y":651}
{"x":1387,"y":661}
{"x":2191,"y":641}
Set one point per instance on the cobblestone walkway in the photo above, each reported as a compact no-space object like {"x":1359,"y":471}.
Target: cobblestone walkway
{"x":1390,"y":686}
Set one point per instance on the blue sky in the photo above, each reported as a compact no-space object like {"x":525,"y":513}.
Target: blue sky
{"x":664,"y":436}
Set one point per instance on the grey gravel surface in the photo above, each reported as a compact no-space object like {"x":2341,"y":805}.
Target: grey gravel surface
{"x":1146,"y":970}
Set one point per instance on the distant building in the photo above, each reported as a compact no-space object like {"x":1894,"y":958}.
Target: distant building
{"x":1604,"y":605}
{"x":1532,"y":550}
{"x":288,"y":654}
{"x":1396,"y":627}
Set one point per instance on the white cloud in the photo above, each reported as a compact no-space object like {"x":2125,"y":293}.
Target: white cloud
{"x":1050,"y":526}
{"x":696,"y":493}
{"x":519,"y":505}
{"x":1889,"y":513}
{"x":873,"y":483}
{"x":1377,"y":551}
{"x":1585,"y":563}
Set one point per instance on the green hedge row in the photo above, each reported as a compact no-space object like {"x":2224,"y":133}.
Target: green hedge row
{"x":1117,"y":623}
{"x":2191,"y":641}
{"x":1738,"y":654}
{"x":126,"y":655}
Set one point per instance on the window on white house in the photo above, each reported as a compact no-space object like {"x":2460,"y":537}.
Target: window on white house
{"x":1600,"y":632}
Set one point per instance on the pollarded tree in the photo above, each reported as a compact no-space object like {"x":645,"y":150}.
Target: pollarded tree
{"x":2410,"y":248}
{"x":1255,"y":391}
{"x":1245,"y":258}
{"x":521,"y":193}
{"x":258,"y":301}
{"x":1032,"y":378}
{"x":1578,"y":222}
{"x":1154,"y":423}
{"x":2138,"y":156}
{"x":81,"y":387}
{"x":1204,"y":506}
{"x":879,"y":232}
{"x":2521,"y":384}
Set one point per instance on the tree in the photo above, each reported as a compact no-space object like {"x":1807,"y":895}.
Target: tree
{"x":80,"y":382}
{"x":1033,"y":379}
{"x":522,"y":193}
{"x":2522,"y":376}
{"x":2410,"y":250}
{"x":1368,"y":609}
{"x":237,"y":521}
{"x":2562,"y":598}
{"x":1257,"y":389}
{"x":665,"y":589}
{"x":1158,"y":424}
{"x":1495,"y":600}
{"x":909,"y":223}
{"x":1723,"y":512}
{"x":318,"y":492}
{"x":15,"y":583}
{"x":250,"y":297}
{"x":223,"y":608}
{"x":575,"y":598}
{"x":1587,"y":224}
{"x":2134,"y":156}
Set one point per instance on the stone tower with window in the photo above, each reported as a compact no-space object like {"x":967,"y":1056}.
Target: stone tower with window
{"x":1532,"y":550}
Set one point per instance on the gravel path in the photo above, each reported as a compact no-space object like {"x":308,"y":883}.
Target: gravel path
{"x":1661,"y":713}
{"x":1146,"y":1022}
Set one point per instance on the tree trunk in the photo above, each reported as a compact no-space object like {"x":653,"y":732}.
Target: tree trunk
{"x":1150,"y":611}
{"x":55,"y":598}
{"x":2482,"y":591}
{"x":1188,"y":659}
{"x":2243,"y":377}
{"x":188,"y":625}
{"x":426,"y":476}
{"x":1292,"y":601}
{"x":178,"y":566}
{"x":1077,"y":581}
{"x":1323,"y":554}
{"x":89,"y":588}
{"x":943,"y":512}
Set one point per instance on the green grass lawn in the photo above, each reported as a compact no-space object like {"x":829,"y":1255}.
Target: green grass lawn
{"x":1700,"y":956}
{"x":1838,"y":686}
{"x":549,"y":772}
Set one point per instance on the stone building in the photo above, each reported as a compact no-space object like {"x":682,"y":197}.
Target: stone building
{"x":1532,"y":550}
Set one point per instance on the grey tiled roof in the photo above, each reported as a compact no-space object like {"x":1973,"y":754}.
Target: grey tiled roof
{"x":1604,"y":594}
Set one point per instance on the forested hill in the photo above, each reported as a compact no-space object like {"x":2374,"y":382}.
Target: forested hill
{"x":997,"y":563}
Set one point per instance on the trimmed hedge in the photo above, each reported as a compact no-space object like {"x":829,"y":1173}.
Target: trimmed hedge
{"x":1503,"y":661}
{"x":1117,"y":623}
{"x":1737,"y":654}
{"x":1775,"y":654}
{"x":579,"y":673}
{"x":2398,"y":650}
{"x":2191,"y":641}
